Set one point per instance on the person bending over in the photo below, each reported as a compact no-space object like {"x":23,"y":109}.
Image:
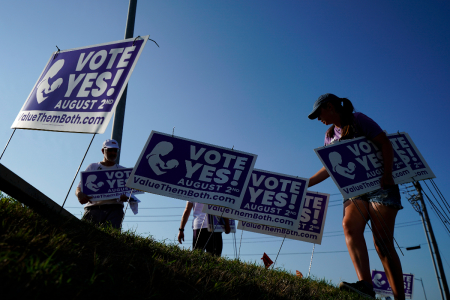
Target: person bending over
{"x":379,"y":206}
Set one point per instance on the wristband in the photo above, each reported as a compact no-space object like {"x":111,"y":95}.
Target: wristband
{"x":180,"y":229}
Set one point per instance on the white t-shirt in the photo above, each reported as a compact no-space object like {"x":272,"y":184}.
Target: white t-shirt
{"x":99,"y":166}
{"x":199,"y":217}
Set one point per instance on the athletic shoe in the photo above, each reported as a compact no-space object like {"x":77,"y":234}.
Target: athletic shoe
{"x":361,"y":287}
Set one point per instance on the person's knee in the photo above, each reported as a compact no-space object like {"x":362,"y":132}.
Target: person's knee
{"x":350,"y":229}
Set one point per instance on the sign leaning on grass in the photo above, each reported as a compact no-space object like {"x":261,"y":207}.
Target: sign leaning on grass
{"x":356,"y":166}
{"x":408,"y":151}
{"x":271,"y":199}
{"x":79,"y":89}
{"x":312,"y":221}
{"x":382,"y":287}
{"x":106,"y":184}
{"x":189,"y":170}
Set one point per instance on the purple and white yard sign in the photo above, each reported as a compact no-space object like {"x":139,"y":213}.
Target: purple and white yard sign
{"x":79,"y":89}
{"x":312,"y":221}
{"x":189,"y":170}
{"x":217,"y":224}
{"x":356,"y":166}
{"x":408,"y":151}
{"x":271,"y":199}
{"x":106,"y":184}
{"x":382,"y":287}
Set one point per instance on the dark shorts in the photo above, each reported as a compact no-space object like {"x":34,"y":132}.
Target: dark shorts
{"x":211,"y":242}
{"x":389,"y":197}
{"x":103,"y":214}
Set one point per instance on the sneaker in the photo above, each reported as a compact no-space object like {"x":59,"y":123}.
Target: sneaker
{"x":361,"y":287}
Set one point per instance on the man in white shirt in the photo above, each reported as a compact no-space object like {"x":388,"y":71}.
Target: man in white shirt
{"x":211,"y":242}
{"x":103,"y":211}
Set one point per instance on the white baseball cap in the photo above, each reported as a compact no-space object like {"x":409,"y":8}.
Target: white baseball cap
{"x":110,"y":143}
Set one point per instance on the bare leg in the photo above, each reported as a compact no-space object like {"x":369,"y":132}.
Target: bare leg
{"x":383,"y":221}
{"x":354,"y":224}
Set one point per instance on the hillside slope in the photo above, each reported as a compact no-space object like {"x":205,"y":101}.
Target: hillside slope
{"x":61,"y":259}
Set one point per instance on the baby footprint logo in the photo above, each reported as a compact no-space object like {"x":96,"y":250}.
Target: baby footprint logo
{"x":48,"y":84}
{"x":336,"y":161}
{"x":91,"y":185}
{"x":155,"y":161}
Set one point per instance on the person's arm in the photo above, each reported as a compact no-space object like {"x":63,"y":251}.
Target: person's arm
{"x":184,"y":219}
{"x":82,"y":197}
{"x":320,"y":176}
{"x":382,"y":142}
{"x":227,"y":225}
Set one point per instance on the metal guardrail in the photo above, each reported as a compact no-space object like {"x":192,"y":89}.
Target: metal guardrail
{"x":22,"y":191}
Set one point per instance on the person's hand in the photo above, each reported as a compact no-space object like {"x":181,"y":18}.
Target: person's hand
{"x":83,"y":198}
{"x":180,"y":236}
{"x":123,"y":198}
{"x":386,"y":181}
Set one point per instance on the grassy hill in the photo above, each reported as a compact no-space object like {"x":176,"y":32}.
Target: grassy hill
{"x":60,"y":259}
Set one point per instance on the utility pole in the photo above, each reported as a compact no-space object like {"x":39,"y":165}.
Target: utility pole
{"x":119,"y":115}
{"x":433,"y":245}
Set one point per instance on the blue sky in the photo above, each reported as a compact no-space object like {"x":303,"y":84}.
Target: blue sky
{"x":245,"y":74}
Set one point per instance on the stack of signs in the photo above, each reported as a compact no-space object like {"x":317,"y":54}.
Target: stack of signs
{"x":356,"y":166}
{"x":106,"y":184}
{"x":190,"y":170}
{"x":312,"y":222}
{"x":80,"y":88}
{"x":381,"y":285}
{"x":217,"y":224}
{"x":271,"y":199}
{"x":405,"y":147}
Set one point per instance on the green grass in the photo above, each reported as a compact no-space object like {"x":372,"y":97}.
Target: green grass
{"x":60,"y":259}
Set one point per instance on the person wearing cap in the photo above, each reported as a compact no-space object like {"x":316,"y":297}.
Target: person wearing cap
{"x":380,"y":206}
{"x":202,"y":239}
{"x":103,"y":211}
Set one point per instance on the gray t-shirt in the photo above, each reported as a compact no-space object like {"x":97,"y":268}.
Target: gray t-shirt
{"x":364,"y":126}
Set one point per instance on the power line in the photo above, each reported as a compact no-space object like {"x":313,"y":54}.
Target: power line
{"x":443,"y":211}
{"x":152,"y":221}
{"x":309,"y":253}
{"x":437,"y":211}
{"x":276,"y":238}
{"x":441,"y":195}
{"x":155,"y":216}
{"x":444,"y":258}
{"x":178,"y":220}
{"x":341,"y":200}
{"x":177,"y":207}
{"x":139,"y":207}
